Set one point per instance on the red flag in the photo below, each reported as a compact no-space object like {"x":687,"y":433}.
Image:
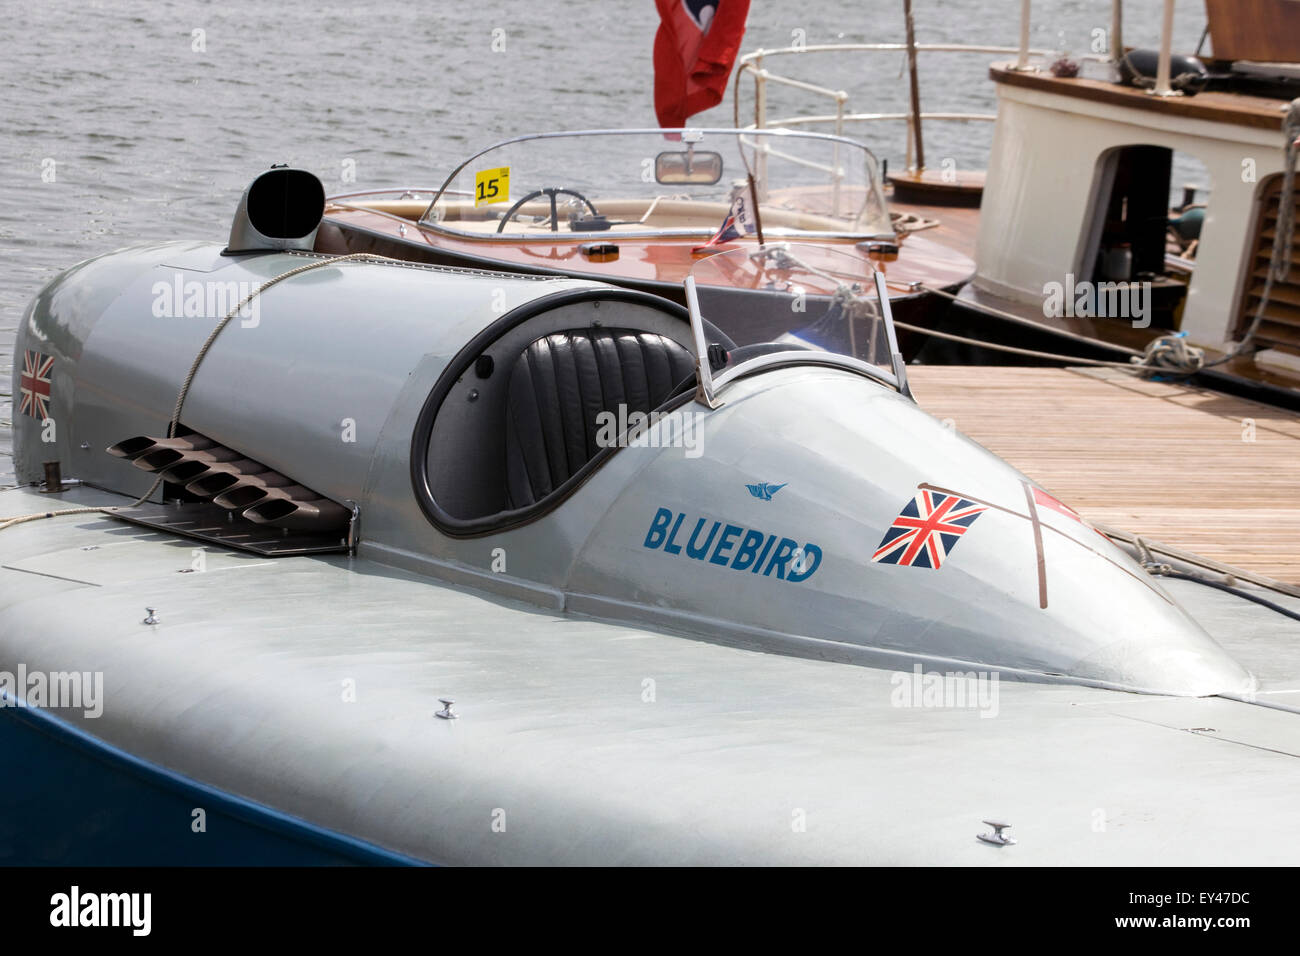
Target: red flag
{"x":695,"y":47}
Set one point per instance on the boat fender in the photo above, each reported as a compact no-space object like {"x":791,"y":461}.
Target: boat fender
{"x":1189,"y":224}
{"x":1187,"y":74}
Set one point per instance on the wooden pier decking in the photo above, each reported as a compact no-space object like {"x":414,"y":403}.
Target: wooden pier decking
{"x":1204,"y":472}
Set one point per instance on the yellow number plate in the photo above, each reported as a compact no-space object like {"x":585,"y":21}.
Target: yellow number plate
{"x":492,"y":185}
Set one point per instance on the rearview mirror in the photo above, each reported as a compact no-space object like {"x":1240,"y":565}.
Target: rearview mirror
{"x":694,"y":167}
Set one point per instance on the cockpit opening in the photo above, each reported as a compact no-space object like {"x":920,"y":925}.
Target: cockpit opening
{"x":517,"y":421}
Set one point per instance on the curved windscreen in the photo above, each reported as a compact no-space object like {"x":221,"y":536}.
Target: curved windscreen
{"x":798,"y":300}
{"x":651,"y":183}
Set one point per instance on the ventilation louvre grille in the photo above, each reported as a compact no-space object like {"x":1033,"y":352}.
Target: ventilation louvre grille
{"x":1280,"y":328}
{"x":246,"y":505}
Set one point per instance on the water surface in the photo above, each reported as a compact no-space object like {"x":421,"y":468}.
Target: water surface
{"x":154,"y":116}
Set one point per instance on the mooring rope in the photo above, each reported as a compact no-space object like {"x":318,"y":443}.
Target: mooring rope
{"x":1168,"y":353}
{"x":1172,"y":353}
{"x":1016,"y":350}
{"x":1031,"y":323}
{"x":786,"y":259}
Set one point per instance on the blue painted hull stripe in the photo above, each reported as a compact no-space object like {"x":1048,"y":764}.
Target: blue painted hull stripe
{"x":241,"y":808}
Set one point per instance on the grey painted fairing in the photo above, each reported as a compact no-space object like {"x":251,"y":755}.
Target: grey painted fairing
{"x":310,"y":685}
{"x":851,"y":455}
{"x":365,"y":343}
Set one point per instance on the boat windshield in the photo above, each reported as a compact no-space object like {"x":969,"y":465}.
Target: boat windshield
{"x":789,"y":303}
{"x":661,"y":183}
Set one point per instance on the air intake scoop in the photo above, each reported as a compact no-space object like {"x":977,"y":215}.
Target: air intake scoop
{"x":281,"y":209}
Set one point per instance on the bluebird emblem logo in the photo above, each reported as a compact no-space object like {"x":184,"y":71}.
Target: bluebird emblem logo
{"x":763,"y":491}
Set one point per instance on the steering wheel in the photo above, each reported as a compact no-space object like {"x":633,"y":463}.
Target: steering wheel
{"x":552,"y":192}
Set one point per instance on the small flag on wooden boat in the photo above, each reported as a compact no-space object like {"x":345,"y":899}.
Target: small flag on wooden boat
{"x":739,"y":221}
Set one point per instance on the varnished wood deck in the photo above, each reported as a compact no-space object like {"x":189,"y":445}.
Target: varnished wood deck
{"x":1161,"y":460}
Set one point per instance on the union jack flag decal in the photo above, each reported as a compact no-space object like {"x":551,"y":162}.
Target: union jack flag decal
{"x":726,"y":232}
{"x":927,"y":530}
{"x":738,"y":223}
{"x":34,"y":385}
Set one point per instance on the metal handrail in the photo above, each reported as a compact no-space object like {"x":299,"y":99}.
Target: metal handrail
{"x":795,"y":121}
{"x":746,"y":58}
{"x":386,"y":190}
{"x":797,"y":160}
{"x":752,"y":64}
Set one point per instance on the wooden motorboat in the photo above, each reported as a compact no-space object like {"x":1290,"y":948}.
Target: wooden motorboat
{"x":639,"y":208}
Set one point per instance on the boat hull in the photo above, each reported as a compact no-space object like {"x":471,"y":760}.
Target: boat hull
{"x":310,"y":686}
{"x":80,"y":801}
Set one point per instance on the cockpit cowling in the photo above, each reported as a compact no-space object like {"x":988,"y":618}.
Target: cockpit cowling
{"x":830,"y":517}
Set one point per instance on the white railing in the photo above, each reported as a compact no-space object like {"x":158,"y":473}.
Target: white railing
{"x":753,"y":64}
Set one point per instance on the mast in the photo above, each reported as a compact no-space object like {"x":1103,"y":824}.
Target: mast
{"x":916,"y":87}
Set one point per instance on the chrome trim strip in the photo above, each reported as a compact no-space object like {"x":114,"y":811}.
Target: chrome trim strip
{"x":386,"y":190}
{"x":804,"y":357}
{"x":515,"y":238}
